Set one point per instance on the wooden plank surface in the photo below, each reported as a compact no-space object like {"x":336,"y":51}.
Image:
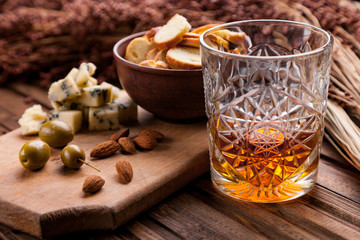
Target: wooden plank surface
{"x":199,"y":211}
{"x":35,"y":93}
{"x":50,"y":200}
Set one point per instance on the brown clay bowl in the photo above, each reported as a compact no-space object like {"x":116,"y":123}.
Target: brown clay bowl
{"x":169,"y":94}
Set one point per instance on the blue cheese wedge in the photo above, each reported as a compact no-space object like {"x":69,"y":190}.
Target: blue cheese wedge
{"x":115,"y":91}
{"x":103,"y":118}
{"x":126,"y":107}
{"x":72,"y":104}
{"x":64,"y":89}
{"x":92,"y":81}
{"x":73,"y":118}
{"x":83,"y":77}
{"x":95,"y":96}
{"x":73,"y":72}
{"x":32,"y":119}
{"x":90,"y":67}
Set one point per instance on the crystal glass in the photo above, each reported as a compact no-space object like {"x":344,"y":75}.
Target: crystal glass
{"x":266,"y":87}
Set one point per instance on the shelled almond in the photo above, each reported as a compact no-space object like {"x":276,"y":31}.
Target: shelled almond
{"x":153,"y":133}
{"x":126,"y":145}
{"x":124,"y":170}
{"x":145,"y":142}
{"x":147,"y":139}
{"x":105,"y":149}
{"x":121,"y":133}
{"x":92,"y":184}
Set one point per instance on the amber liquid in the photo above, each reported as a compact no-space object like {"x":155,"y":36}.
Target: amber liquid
{"x":263,"y":162}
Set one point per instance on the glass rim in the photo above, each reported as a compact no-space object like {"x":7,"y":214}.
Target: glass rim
{"x":316,"y":51}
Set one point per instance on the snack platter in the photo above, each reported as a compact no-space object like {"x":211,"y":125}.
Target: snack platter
{"x":50,"y":201}
{"x":48,"y":190}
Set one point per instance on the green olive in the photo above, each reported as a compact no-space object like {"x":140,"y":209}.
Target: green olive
{"x":73,"y":156}
{"x":56,"y":133}
{"x":34,"y":154}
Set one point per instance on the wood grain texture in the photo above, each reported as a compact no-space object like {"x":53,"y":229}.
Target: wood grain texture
{"x":3,"y":130}
{"x":319,"y":214}
{"x":339,"y":179}
{"x":330,"y":211}
{"x":12,"y":106}
{"x":34,"y":92}
{"x":50,"y":202}
{"x":189,"y":215}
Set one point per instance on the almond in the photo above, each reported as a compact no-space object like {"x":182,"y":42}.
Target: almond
{"x":105,"y":149}
{"x":93,"y":183}
{"x":124,"y":170}
{"x":127,"y":145}
{"x":122,"y":133}
{"x":153,"y":133}
{"x":145,"y":142}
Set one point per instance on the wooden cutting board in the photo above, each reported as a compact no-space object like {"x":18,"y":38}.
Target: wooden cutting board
{"x":50,"y":201}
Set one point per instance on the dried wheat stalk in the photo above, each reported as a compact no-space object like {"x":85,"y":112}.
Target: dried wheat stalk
{"x":344,"y":92}
{"x":344,"y":133}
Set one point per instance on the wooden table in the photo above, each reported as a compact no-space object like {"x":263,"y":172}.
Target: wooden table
{"x":198,"y":211}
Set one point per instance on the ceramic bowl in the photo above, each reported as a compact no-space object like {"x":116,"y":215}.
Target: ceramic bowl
{"x":169,"y":94}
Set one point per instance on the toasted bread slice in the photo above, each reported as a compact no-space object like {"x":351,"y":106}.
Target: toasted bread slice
{"x":216,"y":42}
{"x":152,"y":53}
{"x":172,"y":33}
{"x":151,"y":33}
{"x":161,"y":55}
{"x":234,"y":37}
{"x":138,"y":48}
{"x":203,"y":28}
{"x":184,"y":58}
{"x":236,"y":51}
{"x":190,"y":42}
{"x":157,"y":54}
{"x":161,"y":64}
{"x":148,"y":63}
{"x":154,"y":64}
{"x":191,"y":35}
{"x":237,"y":38}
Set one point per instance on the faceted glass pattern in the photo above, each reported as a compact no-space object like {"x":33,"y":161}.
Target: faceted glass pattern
{"x":266,"y":109}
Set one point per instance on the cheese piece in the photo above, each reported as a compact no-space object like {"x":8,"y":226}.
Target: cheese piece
{"x":91,"y":68}
{"x":115,"y":91}
{"x":103,"y":118}
{"x":73,"y":73}
{"x":93,"y":81}
{"x":63,"y":89}
{"x":32,"y":119}
{"x":83,"y":77}
{"x":72,"y":104}
{"x":126,"y":107}
{"x":73,"y":118}
{"x":95,"y":96}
